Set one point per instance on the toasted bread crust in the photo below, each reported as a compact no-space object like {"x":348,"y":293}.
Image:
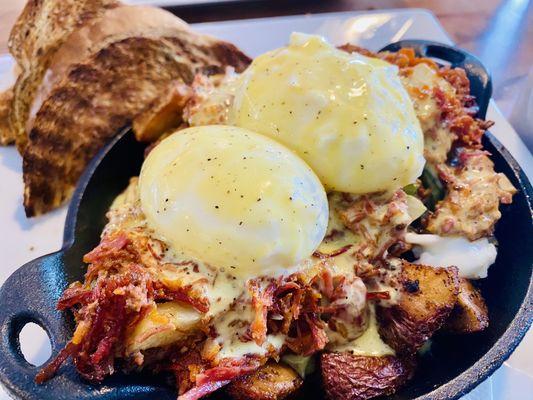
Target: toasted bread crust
{"x":39,"y":31}
{"x":6,"y":133}
{"x":97,"y":34}
{"x":349,"y":377}
{"x":428,"y":297}
{"x":70,"y":61}
{"x":43,"y":25}
{"x":98,"y":97}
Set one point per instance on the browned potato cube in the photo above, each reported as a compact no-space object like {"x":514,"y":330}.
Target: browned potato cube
{"x":349,"y":377}
{"x":470,"y":314}
{"x":428,"y":296}
{"x":272,"y":381}
{"x":163,"y":115}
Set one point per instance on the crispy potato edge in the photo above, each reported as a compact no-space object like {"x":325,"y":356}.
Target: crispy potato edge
{"x":273,"y":381}
{"x":350,"y":377}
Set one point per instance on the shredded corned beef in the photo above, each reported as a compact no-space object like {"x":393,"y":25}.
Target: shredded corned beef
{"x":75,"y":294}
{"x":212,"y":379}
{"x":185,"y":368}
{"x":384,"y":295}
{"x":198,"y":392}
{"x":109,"y":249}
{"x":182,"y":294}
{"x":286,"y":307}
{"x":459,"y":119}
{"x":334,"y":253}
{"x":118,"y":291}
{"x":310,"y":335}
{"x":228,"y":369}
{"x":94,"y":355}
{"x":295,"y":312}
{"x":51,"y":369}
{"x":326,"y":283}
{"x":261,"y":302}
{"x":459,"y":81}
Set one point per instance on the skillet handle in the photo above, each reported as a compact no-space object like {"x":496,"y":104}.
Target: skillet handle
{"x":29,"y":295}
{"x":479,"y":77}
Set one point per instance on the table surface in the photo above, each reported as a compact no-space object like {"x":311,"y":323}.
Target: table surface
{"x":499,"y":32}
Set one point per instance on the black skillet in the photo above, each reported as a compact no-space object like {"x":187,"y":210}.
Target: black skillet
{"x":453,"y":366}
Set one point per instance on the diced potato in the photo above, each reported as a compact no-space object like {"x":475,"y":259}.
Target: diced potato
{"x":272,"y":381}
{"x":428,"y":296}
{"x":350,"y":377}
{"x":165,"y":114}
{"x":470,"y":313}
{"x":166,"y":324}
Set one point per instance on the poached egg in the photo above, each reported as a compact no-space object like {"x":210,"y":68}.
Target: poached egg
{"x":348,"y":116}
{"x":233,"y":199}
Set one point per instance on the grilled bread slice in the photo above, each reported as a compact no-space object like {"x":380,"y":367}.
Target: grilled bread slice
{"x":6,"y":133}
{"x":97,"y":97}
{"x":113,"y":25}
{"x":39,"y":31}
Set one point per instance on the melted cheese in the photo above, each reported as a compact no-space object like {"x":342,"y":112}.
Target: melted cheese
{"x":421,"y":82}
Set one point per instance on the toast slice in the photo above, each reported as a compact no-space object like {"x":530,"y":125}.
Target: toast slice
{"x":113,"y":25}
{"x":6,"y":133}
{"x":102,"y":94}
{"x":39,"y":31}
{"x":43,"y":25}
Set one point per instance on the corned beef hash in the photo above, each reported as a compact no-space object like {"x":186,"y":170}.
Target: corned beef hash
{"x":324,"y":212}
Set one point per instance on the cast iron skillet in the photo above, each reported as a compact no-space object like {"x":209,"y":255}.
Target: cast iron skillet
{"x":453,"y":366}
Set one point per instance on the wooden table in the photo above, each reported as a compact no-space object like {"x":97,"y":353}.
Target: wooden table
{"x":499,"y":32}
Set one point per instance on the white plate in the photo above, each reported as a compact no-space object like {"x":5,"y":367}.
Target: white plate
{"x":22,"y":240}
